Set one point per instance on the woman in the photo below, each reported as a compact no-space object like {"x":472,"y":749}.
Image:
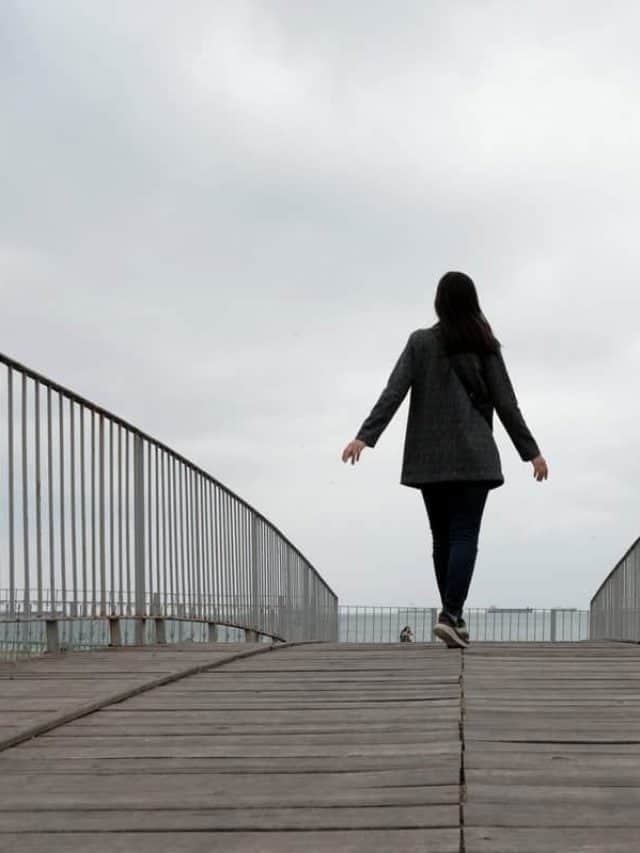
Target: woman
{"x":457,"y":378}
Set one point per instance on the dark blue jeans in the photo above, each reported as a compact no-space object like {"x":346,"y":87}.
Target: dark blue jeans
{"x":455,"y":514}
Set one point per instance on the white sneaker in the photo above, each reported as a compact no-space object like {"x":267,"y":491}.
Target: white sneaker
{"x":447,"y":631}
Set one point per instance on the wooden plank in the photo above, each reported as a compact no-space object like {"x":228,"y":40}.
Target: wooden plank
{"x":558,"y":814}
{"x":332,"y":732}
{"x":165,"y":748}
{"x":326,"y":841}
{"x":442,"y":764}
{"x":585,"y":775}
{"x":443,"y":800}
{"x":203,"y":703}
{"x":280,"y":739}
{"x":546,"y":840}
{"x":557,"y":761}
{"x":272,"y":819}
{"x":473,"y":747}
{"x":546,"y":795}
{"x":117,"y":716}
{"x":436,"y":774}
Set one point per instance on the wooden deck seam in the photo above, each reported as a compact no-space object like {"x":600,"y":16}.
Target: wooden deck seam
{"x":239,"y":829}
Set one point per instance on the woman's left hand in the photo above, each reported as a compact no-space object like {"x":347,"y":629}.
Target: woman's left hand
{"x":353,"y":450}
{"x":540,"y":468}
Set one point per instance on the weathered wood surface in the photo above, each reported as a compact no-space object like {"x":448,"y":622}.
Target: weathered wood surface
{"x":44,"y":691}
{"x":552,"y":748}
{"x":530,"y":748}
{"x":305,"y":748}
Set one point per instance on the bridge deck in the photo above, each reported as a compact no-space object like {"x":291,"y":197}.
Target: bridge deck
{"x":528,"y":748}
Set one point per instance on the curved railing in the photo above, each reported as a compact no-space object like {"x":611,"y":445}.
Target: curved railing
{"x":615,"y":608}
{"x":100,"y":521}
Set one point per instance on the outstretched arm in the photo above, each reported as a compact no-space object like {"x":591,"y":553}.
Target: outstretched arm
{"x":506,"y":405}
{"x":386,"y":406}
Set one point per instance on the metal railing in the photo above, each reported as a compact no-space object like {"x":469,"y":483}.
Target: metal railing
{"x":100,"y":521}
{"x":615,"y":608}
{"x":361,"y":624}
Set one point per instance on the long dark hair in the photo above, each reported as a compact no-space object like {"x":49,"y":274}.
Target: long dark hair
{"x":463,"y":326}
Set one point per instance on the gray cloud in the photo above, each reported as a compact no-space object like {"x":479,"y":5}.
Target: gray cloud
{"x":221,"y":221}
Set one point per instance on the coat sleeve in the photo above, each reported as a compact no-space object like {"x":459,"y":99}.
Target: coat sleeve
{"x":389,"y":400}
{"x":506,"y":405}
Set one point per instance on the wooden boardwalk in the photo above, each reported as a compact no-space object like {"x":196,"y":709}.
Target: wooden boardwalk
{"x":321,"y":747}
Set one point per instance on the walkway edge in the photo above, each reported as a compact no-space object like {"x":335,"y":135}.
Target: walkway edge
{"x":90,"y":708}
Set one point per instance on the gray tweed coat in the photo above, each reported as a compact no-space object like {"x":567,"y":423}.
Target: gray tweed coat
{"x":447,"y":437}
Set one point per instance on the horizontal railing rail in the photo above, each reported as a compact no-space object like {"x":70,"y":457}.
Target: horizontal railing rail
{"x":26,"y":637}
{"x":100,"y":520}
{"x":365,"y":624}
{"x":615,"y":607}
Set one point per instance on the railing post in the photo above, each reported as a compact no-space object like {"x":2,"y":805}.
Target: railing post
{"x":434,"y":622}
{"x":115,"y":635}
{"x":280,"y":628}
{"x":139,"y":630}
{"x":554,"y":625}
{"x":254,"y":593}
{"x":594,"y":633}
{"x":53,"y":636}
{"x":305,"y":608}
{"x":250,"y":636}
{"x":160,"y":631}
{"x":138,"y":537}
{"x":212,"y":632}
{"x":288,"y":630}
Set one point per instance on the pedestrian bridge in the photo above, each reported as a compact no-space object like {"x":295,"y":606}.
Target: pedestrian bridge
{"x":289,"y":741}
{"x":323,"y":747}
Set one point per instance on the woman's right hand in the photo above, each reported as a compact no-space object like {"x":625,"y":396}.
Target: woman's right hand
{"x":540,"y":469}
{"x":353,"y":450}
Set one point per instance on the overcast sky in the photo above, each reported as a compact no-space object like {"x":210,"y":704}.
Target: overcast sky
{"x":221,"y":220}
